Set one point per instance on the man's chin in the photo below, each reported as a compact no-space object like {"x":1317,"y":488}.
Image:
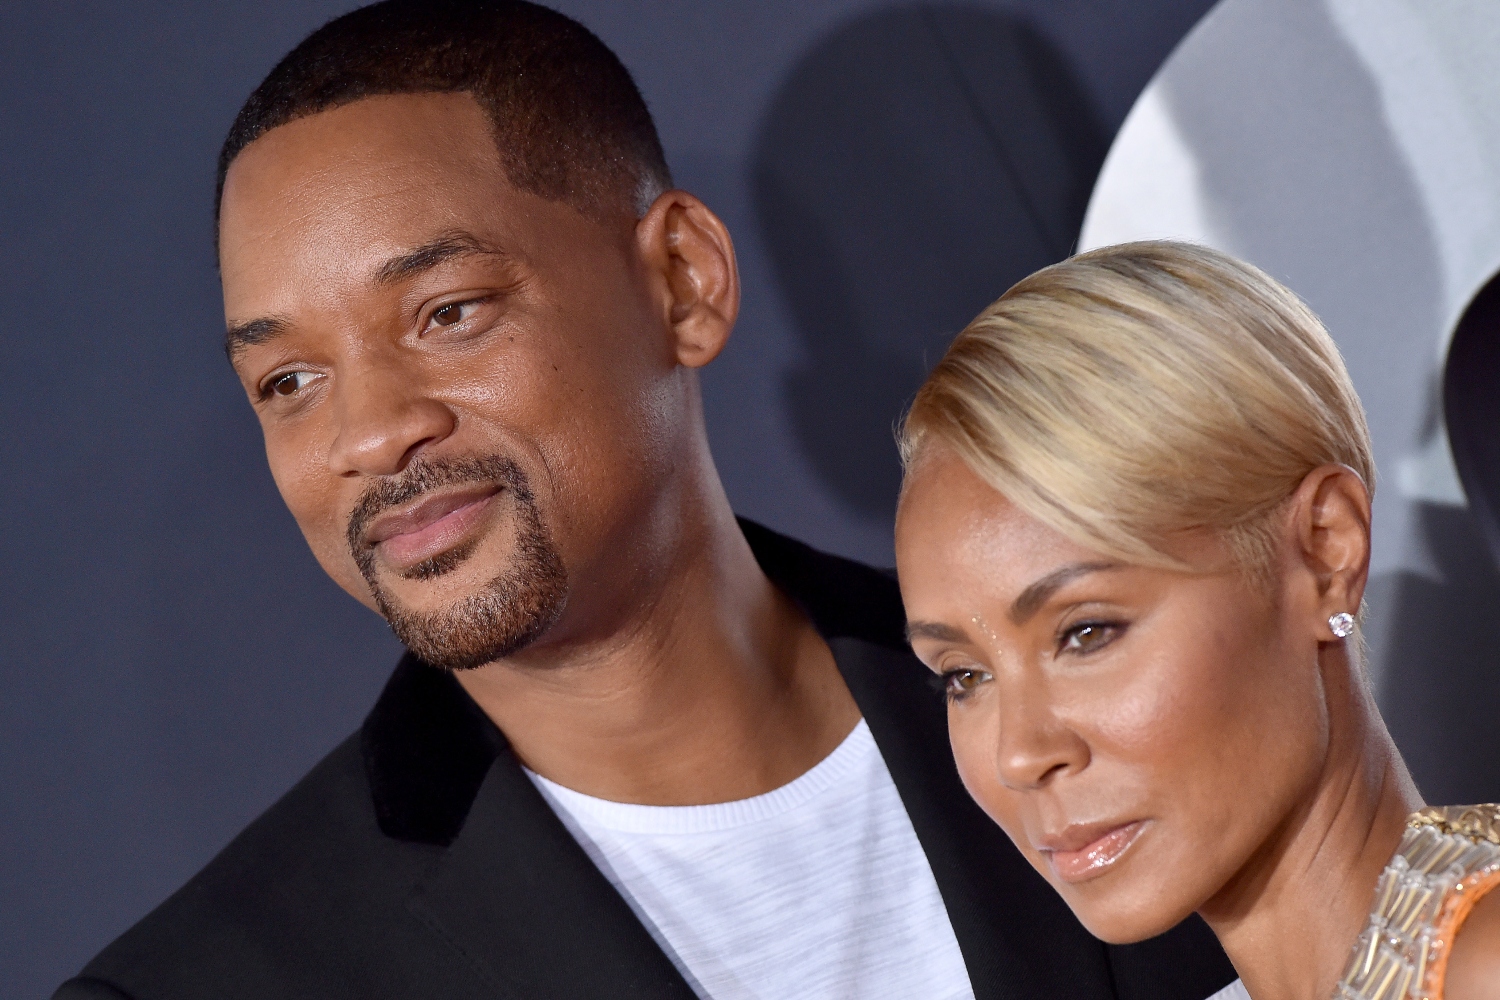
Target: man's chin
{"x":462,"y":607}
{"x":472,"y":634}
{"x":459,"y":628}
{"x":423,"y":590}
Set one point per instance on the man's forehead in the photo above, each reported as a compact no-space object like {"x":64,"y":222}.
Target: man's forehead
{"x":381,"y":125}
{"x":345,"y":190}
{"x":377,"y":154}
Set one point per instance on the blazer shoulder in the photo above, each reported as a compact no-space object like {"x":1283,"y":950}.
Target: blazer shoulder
{"x":286,"y":886}
{"x":86,"y":988}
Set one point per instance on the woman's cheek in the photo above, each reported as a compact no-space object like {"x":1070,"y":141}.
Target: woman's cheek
{"x":1146,"y":716}
{"x":970,"y":731}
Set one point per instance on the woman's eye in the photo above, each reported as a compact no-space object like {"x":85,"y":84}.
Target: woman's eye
{"x":290,"y":383}
{"x":1089,"y":636}
{"x":959,"y":683}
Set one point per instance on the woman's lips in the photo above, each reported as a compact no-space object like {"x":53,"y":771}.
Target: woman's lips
{"x":1097,"y":848}
{"x":431,"y":527}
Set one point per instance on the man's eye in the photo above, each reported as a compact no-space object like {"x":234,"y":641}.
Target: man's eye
{"x":290,"y":383}
{"x":1090,"y":636}
{"x":961,"y":682}
{"x":449,"y":314}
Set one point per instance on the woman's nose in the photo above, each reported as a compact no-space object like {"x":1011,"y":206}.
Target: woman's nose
{"x":1033,"y":745}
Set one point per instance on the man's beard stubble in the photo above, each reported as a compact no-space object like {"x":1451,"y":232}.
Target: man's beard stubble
{"x":510,"y":612}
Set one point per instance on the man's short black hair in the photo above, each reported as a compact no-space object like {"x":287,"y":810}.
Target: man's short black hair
{"x":568,"y":120}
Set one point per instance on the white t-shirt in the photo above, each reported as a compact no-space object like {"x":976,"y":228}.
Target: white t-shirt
{"x":1234,"y":991}
{"x":815,"y":891}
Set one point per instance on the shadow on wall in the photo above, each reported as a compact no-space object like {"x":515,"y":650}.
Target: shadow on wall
{"x":1443,"y":668}
{"x":1472,"y":409}
{"x":912,"y":167}
{"x":1441,"y":687}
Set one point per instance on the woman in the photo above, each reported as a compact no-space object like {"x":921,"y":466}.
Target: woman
{"x":1133,"y":542}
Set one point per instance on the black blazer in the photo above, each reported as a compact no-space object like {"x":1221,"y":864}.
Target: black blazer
{"x":417,"y":860}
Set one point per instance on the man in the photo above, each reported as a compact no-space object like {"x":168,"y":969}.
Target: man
{"x":638,"y":749}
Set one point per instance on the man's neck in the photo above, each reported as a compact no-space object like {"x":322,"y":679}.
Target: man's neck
{"x":1289,"y":921}
{"x":716,"y":687}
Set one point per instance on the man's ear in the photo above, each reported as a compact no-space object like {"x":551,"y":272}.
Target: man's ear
{"x":685,"y":245}
{"x":1330,"y":521}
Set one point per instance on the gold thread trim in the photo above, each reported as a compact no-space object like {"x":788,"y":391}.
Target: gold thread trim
{"x":1481,"y":822}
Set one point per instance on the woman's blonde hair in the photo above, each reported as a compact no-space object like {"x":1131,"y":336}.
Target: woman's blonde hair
{"x":1136,"y":391}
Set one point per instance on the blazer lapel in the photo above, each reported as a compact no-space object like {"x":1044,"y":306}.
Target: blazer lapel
{"x":528,"y":909}
{"x":510,"y":889}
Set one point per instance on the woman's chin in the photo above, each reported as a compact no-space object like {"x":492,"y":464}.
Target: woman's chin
{"x":1125,"y":918}
{"x":1138,"y":895}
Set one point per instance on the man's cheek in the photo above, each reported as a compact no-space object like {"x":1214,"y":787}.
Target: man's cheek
{"x":332,"y":553}
{"x":322,"y":519}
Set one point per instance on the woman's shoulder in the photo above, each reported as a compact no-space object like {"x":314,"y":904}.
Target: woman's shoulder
{"x":1474,"y":965}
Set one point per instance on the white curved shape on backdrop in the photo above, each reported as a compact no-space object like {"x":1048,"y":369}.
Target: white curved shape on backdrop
{"x":1351,"y":148}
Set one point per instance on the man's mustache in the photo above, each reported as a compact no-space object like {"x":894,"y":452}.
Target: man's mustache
{"x":422,"y":477}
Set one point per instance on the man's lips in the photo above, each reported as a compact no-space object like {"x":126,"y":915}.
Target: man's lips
{"x":430,"y":526}
{"x":1086,"y":850}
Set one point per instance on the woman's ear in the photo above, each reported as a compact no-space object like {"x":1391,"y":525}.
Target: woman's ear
{"x":1330,"y":522}
{"x":689,"y":250}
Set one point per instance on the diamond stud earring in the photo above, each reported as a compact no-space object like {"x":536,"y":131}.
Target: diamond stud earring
{"x":1342,"y":624}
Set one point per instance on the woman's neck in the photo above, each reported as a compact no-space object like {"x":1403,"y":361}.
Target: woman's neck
{"x":1289,"y":918}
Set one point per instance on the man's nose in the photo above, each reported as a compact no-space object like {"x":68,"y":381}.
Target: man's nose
{"x":1033,"y":745}
{"x":385,"y":417}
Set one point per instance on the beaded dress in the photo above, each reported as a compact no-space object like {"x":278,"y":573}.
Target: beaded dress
{"x":1449,"y":858}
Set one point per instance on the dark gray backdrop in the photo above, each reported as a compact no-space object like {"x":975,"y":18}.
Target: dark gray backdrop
{"x":173,"y":659}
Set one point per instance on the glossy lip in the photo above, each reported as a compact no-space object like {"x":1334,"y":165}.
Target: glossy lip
{"x":1084,"y":851}
{"x":431,"y":526}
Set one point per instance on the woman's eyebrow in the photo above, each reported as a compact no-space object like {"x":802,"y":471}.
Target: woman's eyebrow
{"x":934,"y":630}
{"x":1034,"y":596}
{"x":1024,"y":606}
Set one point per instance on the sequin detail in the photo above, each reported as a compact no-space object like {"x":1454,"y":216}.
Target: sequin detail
{"x":1449,"y":858}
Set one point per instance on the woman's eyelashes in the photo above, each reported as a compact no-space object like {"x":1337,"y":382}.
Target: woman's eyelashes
{"x":1087,"y":637}
{"x":958,"y":683}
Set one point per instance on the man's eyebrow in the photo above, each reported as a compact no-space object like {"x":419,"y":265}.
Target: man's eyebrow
{"x":934,"y":630}
{"x":256,"y":331}
{"x":432,"y":253}
{"x":429,"y":255}
{"x":1034,"y":596}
